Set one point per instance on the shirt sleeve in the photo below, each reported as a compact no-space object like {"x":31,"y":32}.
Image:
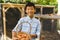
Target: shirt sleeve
{"x":38,"y":30}
{"x":17,"y":28}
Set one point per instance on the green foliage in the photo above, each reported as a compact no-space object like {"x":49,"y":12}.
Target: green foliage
{"x":28,"y":0}
{"x":41,"y":2}
{"x":48,"y":2}
{"x":1,"y":1}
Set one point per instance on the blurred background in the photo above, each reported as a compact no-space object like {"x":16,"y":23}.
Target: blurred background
{"x":47,"y":8}
{"x":40,"y":2}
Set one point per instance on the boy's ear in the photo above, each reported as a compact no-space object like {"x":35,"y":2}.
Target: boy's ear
{"x":35,"y":10}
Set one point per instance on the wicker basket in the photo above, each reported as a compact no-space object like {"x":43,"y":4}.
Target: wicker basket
{"x":23,"y":35}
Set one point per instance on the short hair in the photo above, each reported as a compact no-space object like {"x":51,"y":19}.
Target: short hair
{"x":29,"y":4}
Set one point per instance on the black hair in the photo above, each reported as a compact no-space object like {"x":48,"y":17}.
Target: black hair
{"x":29,"y":4}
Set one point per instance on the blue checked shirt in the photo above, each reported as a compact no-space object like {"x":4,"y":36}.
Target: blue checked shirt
{"x":35,"y":26}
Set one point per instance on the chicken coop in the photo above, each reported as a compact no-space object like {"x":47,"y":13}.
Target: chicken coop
{"x":11,"y":13}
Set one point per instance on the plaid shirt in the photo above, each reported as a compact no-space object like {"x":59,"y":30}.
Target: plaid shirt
{"x":35,"y":26}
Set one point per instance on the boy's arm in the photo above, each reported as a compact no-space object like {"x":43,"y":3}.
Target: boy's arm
{"x":16,"y":29}
{"x":38,"y":30}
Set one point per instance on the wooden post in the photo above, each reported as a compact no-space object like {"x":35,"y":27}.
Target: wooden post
{"x":4,"y":23}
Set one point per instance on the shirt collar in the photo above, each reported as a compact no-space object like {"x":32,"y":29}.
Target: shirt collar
{"x":30,"y":18}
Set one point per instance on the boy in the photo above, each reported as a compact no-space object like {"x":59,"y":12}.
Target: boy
{"x":35,"y":23}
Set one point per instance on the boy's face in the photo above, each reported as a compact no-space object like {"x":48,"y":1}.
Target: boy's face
{"x":30,"y":10}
